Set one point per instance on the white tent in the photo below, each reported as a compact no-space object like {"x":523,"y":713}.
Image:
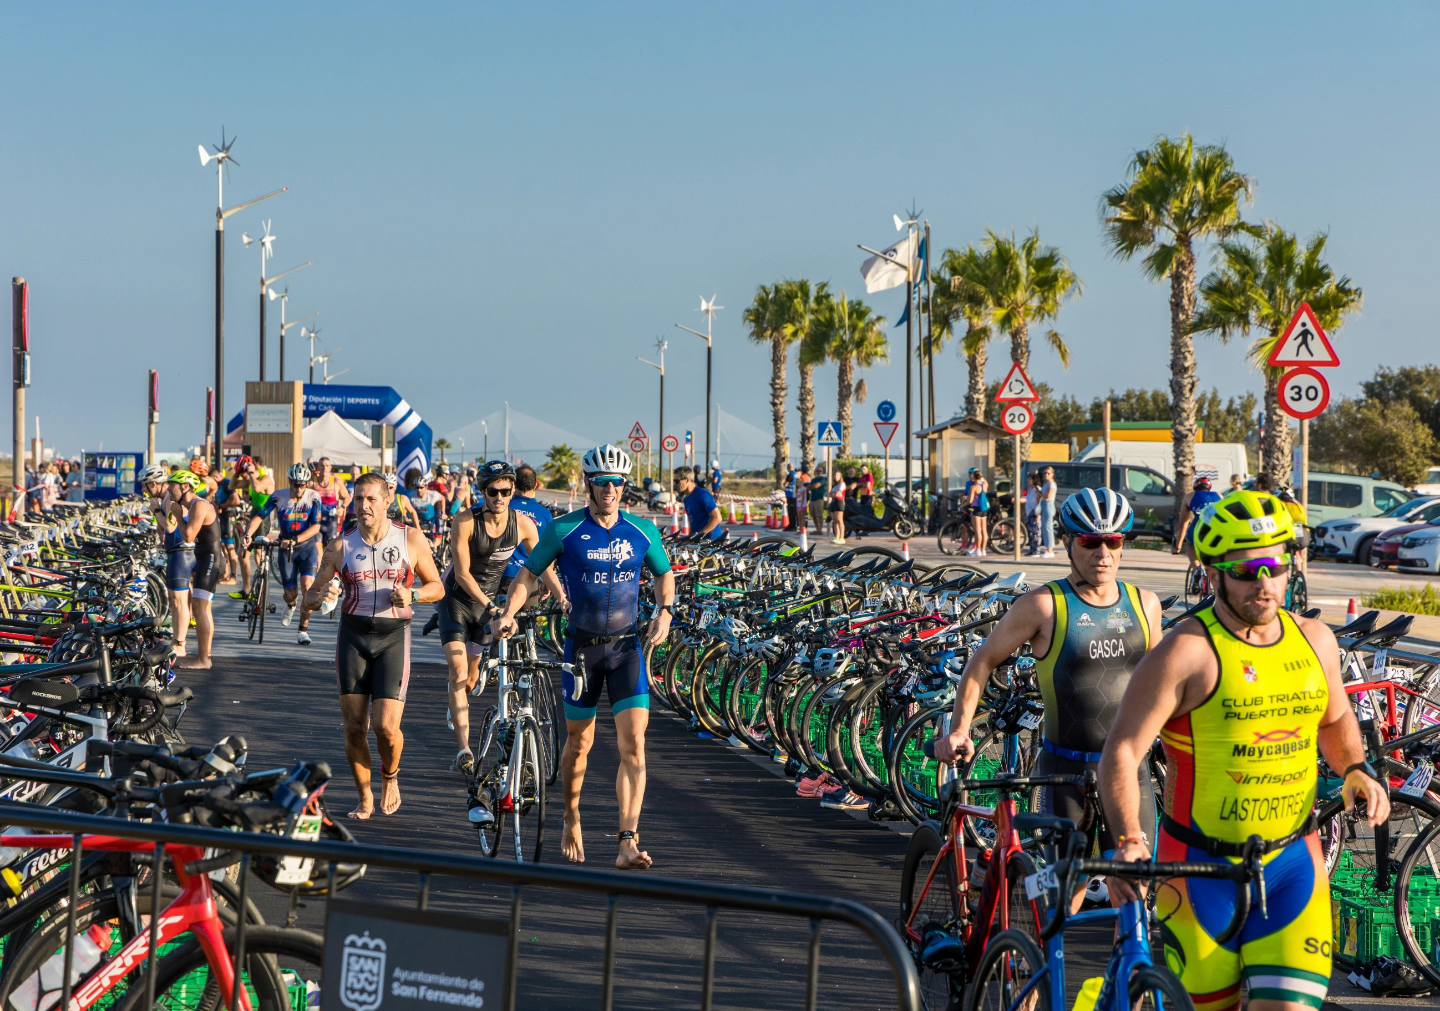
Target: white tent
{"x":332,"y":436}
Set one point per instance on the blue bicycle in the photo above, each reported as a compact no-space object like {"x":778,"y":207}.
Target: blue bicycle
{"x":1014,"y":975}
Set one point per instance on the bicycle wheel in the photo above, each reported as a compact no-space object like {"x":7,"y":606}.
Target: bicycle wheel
{"x":527,"y":817}
{"x":1417,"y":901}
{"x":745,"y":705}
{"x":549,"y":720}
{"x":915,"y":777}
{"x":264,"y":599}
{"x":282,"y":971}
{"x":1194,"y":584}
{"x":955,"y":538}
{"x":930,"y":910}
{"x":1002,"y":536}
{"x":1010,"y":963}
{"x":1297,"y":593}
{"x":252,"y":603}
{"x":1156,"y":988}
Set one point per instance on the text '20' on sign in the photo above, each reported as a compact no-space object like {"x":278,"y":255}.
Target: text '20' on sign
{"x":1017,"y":419}
{"x":1304,"y":394}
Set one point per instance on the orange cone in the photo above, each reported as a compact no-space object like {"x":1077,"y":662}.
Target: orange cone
{"x":805,"y":537}
{"x":685,"y":523}
{"x":754,"y":535}
{"x":1351,"y":611}
{"x":748,"y":520}
{"x":905,"y":550}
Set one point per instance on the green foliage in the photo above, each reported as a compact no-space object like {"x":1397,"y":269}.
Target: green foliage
{"x":562,"y":467}
{"x":859,"y":463}
{"x":1024,"y":284}
{"x":1424,"y":600}
{"x":1232,"y":421}
{"x":1372,"y":437}
{"x":1417,"y":385}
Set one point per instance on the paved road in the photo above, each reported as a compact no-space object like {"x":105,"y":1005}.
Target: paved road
{"x":713,"y":814}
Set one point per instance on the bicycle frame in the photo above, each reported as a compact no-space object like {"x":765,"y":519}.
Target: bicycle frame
{"x":1128,"y":957}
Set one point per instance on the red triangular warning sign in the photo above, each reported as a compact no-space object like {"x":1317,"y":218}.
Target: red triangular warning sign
{"x":638,"y":432}
{"x":1303,"y":344}
{"x":886,"y":431}
{"x":1016,"y":387}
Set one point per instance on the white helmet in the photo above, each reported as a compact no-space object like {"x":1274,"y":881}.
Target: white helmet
{"x":606,"y":459}
{"x":714,"y":464}
{"x":391,"y":479}
{"x":300,"y":473}
{"x":154,"y":474}
{"x":1096,"y":511}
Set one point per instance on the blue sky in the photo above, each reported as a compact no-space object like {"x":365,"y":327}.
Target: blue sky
{"x":505,"y":201}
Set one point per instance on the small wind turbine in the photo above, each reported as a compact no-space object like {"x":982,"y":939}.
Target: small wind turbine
{"x":709,"y":308}
{"x":266,"y":241}
{"x":221,"y":156}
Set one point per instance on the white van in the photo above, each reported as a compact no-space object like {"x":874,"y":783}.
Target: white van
{"x":1430,"y":483}
{"x":1215,"y":460}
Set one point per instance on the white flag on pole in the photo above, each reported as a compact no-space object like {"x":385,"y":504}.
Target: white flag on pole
{"x":882,"y":275}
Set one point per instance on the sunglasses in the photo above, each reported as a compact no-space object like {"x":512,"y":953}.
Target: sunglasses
{"x":1092,"y":542}
{"x":1248,"y":570}
{"x":607,"y":482}
{"x":499,"y":492}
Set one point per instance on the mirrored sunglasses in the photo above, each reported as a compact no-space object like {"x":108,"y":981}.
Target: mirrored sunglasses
{"x":1248,"y":570}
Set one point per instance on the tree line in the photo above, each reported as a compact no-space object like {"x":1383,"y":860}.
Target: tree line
{"x":1177,"y":197}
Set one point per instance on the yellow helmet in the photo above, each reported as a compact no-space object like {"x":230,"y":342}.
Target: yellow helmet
{"x":187,"y":479}
{"x":1240,"y":521}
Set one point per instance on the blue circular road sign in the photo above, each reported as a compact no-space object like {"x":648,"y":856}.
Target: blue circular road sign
{"x":885,"y":410}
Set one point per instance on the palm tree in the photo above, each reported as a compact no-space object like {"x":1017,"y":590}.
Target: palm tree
{"x":1259,"y":286}
{"x":801,"y":302}
{"x":1177,"y":194}
{"x":441,"y":445}
{"x":962,"y":292}
{"x":562,"y":467}
{"x":764,"y":317}
{"x":1025,"y":283}
{"x":851,"y":335}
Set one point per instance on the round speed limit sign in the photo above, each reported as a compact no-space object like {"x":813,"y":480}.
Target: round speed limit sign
{"x":1017,"y":419}
{"x":1304,"y":394}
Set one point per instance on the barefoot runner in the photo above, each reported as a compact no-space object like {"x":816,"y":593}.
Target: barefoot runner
{"x":600,"y":553}
{"x":202,"y":529}
{"x":377,"y":562}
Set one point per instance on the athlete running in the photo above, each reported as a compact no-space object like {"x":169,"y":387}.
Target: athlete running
{"x":334,"y":497}
{"x":1245,"y":697}
{"x":601,"y":553}
{"x":377,"y":562}
{"x":526,"y":481}
{"x":298,"y":512}
{"x":184,"y":512}
{"x":481,"y":546}
{"x":255,"y":484}
{"x":1087,"y":632}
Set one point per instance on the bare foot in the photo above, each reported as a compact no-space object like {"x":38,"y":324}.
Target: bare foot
{"x":389,"y":794}
{"x":195,"y":664}
{"x":363,"y":810}
{"x":632,"y":857}
{"x":178,"y":648}
{"x":572,"y":844}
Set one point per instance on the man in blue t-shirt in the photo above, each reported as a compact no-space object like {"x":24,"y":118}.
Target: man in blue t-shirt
{"x":700,"y":507}
{"x":526,"y":502}
{"x":717,"y":476}
{"x":1200,"y":497}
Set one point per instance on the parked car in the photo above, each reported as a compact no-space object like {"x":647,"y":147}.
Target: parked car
{"x":1215,"y":460}
{"x":1385,"y":548}
{"x":1420,"y":549}
{"x":1352,"y":539}
{"x":1430,"y":484}
{"x":1337,"y":496}
{"x":1151,"y":494}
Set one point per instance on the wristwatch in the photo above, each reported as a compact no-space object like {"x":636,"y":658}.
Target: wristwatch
{"x":1366,"y":768}
{"x":667,"y":607}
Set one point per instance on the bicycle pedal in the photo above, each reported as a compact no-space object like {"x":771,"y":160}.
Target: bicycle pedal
{"x":886,"y":811}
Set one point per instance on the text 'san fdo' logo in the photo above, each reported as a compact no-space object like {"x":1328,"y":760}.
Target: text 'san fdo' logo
{"x":362,"y":972}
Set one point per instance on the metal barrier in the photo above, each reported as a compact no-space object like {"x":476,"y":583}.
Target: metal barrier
{"x":614,"y":885}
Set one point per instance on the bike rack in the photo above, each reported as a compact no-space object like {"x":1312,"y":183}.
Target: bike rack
{"x":614,"y":885}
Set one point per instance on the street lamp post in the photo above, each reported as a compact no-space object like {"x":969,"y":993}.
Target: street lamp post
{"x":709,"y":309}
{"x":660,"y":345}
{"x":284,"y":296}
{"x":222,"y":157}
{"x":485,"y":427}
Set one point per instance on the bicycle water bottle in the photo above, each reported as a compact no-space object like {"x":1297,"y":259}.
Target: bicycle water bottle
{"x":1089,"y":994}
{"x":87,"y":956}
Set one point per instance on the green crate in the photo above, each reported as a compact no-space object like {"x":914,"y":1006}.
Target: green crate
{"x":1364,"y":933}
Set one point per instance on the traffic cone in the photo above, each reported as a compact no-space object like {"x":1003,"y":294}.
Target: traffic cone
{"x":805,"y":537}
{"x":1351,"y":611}
{"x":754,"y":536}
{"x":748,"y":520}
{"x":685,"y":524}
{"x":674,"y":523}
{"x":905,"y":550}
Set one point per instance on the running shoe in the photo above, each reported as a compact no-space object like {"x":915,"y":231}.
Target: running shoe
{"x":235,"y":595}
{"x":480,"y":813}
{"x":845,"y":800}
{"x":464,"y":763}
{"x":811,"y":786}
{"x":289,"y":618}
{"x":303,"y":637}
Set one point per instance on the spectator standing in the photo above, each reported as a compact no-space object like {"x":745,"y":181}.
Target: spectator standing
{"x":867,"y":488}
{"x":836,"y":507}
{"x":1032,"y":513}
{"x":802,"y":501}
{"x":717,"y":477}
{"x":1047,"y":512}
{"x":790,"y":481}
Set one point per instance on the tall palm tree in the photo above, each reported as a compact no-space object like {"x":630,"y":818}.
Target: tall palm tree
{"x":1025,"y":283}
{"x":1177,"y":194}
{"x":962,"y":292}
{"x":1257,"y":287}
{"x":852,"y":336}
{"x":802,"y":303}
{"x":765,"y":318}
{"x":562,"y":467}
{"x":441,"y":445}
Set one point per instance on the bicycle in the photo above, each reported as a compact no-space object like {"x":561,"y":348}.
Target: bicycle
{"x":515,"y":761}
{"x":257,"y":597}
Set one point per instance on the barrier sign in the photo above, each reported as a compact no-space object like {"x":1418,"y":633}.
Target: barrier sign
{"x":405,"y":960}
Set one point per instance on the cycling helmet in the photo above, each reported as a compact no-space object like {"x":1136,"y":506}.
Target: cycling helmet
{"x":1202,"y":483}
{"x":316,"y":873}
{"x":391,"y":480}
{"x":606,"y":459}
{"x":442,"y":470}
{"x":494,"y":471}
{"x":300,"y":474}
{"x":428,"y":477}
{"x":1240,"y":521}
{"x":245,"y":463}
{"x":1096,"y":511}
{"x":154,"y":474}
{"x":186,"y":479}
{"x":199,"y":467}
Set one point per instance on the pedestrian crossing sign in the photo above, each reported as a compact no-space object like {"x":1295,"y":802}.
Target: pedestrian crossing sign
{"x":1304,"y":344}
{"x":831,"y":435}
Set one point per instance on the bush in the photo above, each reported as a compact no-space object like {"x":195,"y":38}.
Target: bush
{"x":855,"y":463}
{"x":1410,"y":600}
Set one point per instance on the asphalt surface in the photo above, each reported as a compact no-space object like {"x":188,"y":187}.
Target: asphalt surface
{"x":712,"y":814}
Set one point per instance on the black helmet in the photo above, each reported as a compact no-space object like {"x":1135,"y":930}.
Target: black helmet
{"x":493,"y":471}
